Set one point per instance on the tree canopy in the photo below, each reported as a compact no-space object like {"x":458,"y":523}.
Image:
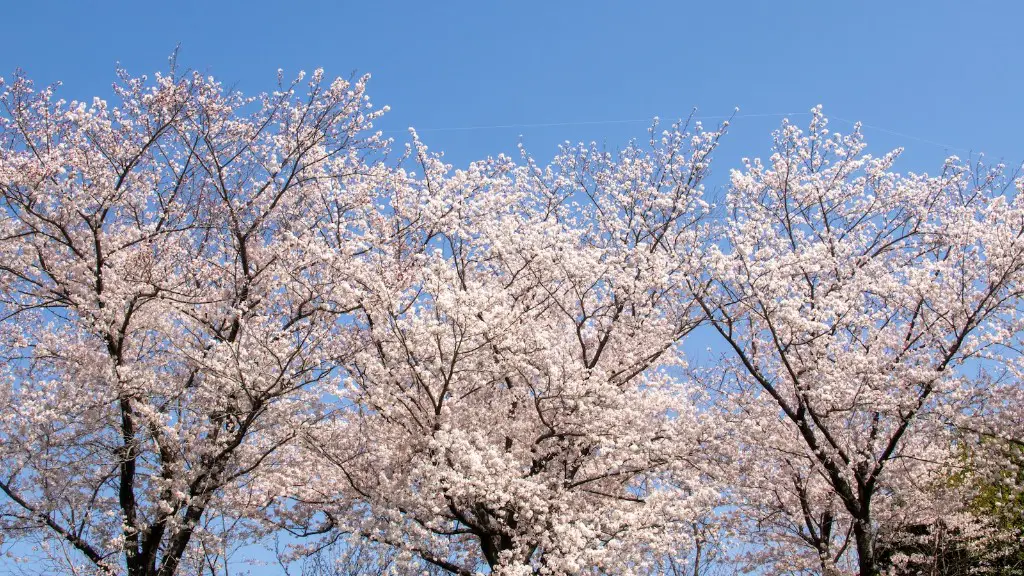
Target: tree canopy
{"x":228,"y":319}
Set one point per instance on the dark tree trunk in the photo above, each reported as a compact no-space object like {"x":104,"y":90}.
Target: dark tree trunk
{"x":865,"y":537}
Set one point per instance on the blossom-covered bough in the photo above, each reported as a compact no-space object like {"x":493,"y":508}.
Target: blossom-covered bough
{"x":224,"y":319}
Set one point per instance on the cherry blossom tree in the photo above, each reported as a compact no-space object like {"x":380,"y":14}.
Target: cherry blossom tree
{"x":173,"y":268}
{"x":519,"y":405}
{"x":863,"y":307}
{"x":224,"y":319}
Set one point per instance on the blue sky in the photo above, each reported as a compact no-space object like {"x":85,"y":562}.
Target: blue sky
{"x":942,"y":72}
{"x":936,"y":77}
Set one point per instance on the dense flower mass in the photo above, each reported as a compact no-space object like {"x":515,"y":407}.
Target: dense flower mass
{"x":229,"y":320}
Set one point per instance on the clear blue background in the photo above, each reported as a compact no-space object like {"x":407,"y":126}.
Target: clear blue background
{"x":941,"y":72}
{"x":936,"y":77}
